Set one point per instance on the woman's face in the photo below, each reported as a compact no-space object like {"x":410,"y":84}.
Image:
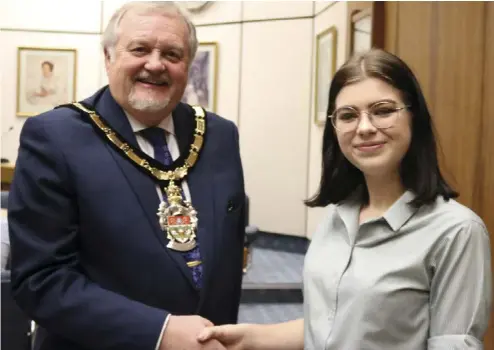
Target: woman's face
{"x":373,"y":132}
{"x":46,"y":69}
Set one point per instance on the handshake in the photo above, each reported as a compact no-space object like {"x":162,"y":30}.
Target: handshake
{"x":197,"y":333}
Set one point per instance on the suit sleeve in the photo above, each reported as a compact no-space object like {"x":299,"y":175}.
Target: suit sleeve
{"x":240,"y":231}
{"x":48,"y":282}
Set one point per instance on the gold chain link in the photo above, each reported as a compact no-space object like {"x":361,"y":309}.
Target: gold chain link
{"x":170,"y":175}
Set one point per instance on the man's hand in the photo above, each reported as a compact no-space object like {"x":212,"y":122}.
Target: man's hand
{"x":182,"y":331}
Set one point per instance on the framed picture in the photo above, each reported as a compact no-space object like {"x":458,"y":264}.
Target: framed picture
{"x":326,"y":44}
{"x":202,"y":84}
{"x":361,"y":31}
{"x":365,"y":26}
{"x":46,"y":78}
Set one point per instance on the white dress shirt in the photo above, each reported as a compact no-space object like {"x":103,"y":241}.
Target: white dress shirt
{"x":171,"y":141}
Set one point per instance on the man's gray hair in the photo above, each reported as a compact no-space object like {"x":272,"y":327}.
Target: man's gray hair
{"x":111,"y":33}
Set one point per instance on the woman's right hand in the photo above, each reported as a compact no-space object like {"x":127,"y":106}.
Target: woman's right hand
{"x":287,"y":336}
{"x":233,"y":337}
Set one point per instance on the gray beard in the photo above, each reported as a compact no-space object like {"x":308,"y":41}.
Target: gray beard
{"x":148,"y":105}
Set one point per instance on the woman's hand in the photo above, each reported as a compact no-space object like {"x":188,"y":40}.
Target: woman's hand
{"x":233,"y":337}
{"x":287,"y":336}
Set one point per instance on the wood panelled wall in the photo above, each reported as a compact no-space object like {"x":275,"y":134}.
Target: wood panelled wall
{"x":450,"y":47}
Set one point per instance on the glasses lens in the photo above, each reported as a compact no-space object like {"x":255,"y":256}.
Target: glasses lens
{"x":345,"y":119}
{"x":384,"y":115}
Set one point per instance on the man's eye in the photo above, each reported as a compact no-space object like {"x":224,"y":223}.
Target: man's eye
{"x":139,"y":49}
{"x":173,"y":55}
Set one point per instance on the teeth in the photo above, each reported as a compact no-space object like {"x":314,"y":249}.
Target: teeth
{"x":154,"y":82}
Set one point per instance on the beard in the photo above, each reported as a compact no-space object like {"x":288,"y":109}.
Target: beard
{"x":150,"y":103}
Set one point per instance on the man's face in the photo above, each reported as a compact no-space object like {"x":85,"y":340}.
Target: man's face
{"x":148,"y":68}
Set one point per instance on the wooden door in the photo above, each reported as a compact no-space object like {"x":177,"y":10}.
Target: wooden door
{"x":450,"y":47}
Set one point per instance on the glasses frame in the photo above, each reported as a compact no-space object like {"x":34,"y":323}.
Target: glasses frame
{"x":396,"y":110}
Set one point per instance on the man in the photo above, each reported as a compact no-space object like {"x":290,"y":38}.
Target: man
{"x":106,"y":251}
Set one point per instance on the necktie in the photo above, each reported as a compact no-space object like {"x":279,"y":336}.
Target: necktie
{"x":156,"y":136}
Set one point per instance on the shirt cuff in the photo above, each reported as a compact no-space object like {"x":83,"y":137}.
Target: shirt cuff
{"x":162,"y":332}
{"x":454,"y":341}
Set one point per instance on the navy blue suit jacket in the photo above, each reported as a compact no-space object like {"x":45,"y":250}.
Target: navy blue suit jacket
{"x":89,"y":260}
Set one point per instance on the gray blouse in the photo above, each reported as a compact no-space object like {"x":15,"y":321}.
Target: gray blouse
{"x":412,"y":279}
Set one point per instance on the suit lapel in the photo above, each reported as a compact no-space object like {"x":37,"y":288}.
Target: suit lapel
{"x":143,"y":186}
{"x":200,"y":182}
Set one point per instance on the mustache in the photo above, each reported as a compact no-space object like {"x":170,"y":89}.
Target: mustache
{"x":157,"y":79}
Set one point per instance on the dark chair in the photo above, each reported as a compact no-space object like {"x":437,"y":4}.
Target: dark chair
{"x":16,"y":326}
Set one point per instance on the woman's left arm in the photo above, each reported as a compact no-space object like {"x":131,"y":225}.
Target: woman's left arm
{"x":461,"y":289}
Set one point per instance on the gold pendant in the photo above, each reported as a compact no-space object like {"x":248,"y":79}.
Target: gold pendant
{"x":179,"y":219}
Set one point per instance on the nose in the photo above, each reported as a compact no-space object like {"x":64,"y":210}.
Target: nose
{"x":154,"y":62}
{"x":365,"y":125}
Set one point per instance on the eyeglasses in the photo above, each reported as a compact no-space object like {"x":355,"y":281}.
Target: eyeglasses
{"x":382,"y":115}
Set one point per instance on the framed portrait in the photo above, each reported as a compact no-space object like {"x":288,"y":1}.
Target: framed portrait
{"x":326,"y":44}
{"x":46,"y":78}
{"x":202,"y":84}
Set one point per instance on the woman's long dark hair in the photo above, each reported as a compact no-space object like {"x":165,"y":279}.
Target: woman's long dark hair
{"x":419,"y":168}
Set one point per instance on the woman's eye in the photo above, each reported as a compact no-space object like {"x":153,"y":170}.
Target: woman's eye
{"x":383,"y":111}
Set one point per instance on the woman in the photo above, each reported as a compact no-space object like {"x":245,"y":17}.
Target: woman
{"x":396,"y":263}
{"x":47,"y":92}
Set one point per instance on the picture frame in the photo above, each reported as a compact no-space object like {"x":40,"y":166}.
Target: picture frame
{"x":46,"y":78}
{"x":202,"y":84}
{"x":326,"y":53}
{"x":365,"y":26}
{"x":361,"y":40}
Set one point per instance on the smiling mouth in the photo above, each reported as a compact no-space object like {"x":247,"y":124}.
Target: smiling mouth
{"x":370,"y":147}
{"x":153,"y":82}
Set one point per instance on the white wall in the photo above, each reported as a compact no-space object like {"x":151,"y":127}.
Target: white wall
{"x":219,"y":12}
{"x":265,"y":85}
{"x":228,"y":38}
{"x":334,"y":15}
{"x":320,"y":6}
{"x":269,"y":10}
{"x":274,"y":113}
{"x":23,"y":26}
{"x":51,"y":15}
